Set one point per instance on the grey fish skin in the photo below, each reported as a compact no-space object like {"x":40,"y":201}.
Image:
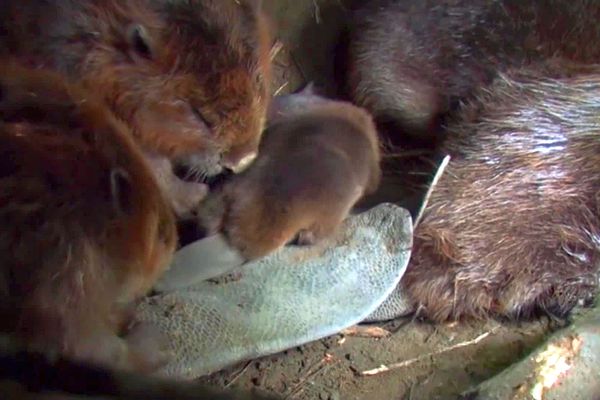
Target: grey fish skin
{"x":293,"y":296}
{"x":201,"y":260}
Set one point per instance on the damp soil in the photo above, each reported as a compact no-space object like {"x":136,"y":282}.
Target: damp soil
{"x":439,"y":361}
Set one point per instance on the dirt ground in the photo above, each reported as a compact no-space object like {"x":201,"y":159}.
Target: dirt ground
{"x":440,"y":361}
{"x":443,"y":361}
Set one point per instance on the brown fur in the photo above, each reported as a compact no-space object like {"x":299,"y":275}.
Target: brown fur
{"x":190,"y":78}
{"x":413,"y":61}
{"x":313,"y":165}
{"x":85,"y":230}
{"x":513,"y":226}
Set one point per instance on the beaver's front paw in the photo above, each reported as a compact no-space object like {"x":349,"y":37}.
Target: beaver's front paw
{"x":186,"y":196}
{"x":305,"y":237}
{"x":147,"y":346}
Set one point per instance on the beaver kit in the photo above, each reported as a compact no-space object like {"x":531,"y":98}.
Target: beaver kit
{"x":317,"y":158}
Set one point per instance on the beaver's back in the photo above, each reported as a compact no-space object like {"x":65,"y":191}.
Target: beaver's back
{"x":317,"y":154}
{"x":413,"y":61}
{"x":513,"y":225}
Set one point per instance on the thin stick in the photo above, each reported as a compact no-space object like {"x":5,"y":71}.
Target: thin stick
{"x":366,"y":331}
{"x":317,"y":12}
{"x":238,"y":375}
{"x":280,"y":89}
{"x":434,"y":181}
{"x":406,"y":363}
{"x":312,"y":371}
{"x":275,"y":50}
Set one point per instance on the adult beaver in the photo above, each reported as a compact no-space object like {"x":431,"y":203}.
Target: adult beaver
{"x":190,"y":78}
{"x":85,"y":229}
{"x":411,"y":62}
{"x":513,"y":225}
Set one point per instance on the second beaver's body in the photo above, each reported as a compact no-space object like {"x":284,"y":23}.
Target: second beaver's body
{"x":411,"y":62}
{"x":513,"y":225}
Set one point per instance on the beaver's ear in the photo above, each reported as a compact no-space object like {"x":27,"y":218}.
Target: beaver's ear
{"x":140,"y":43}
{"x":121,"y":191}
{"x":308,"y":89}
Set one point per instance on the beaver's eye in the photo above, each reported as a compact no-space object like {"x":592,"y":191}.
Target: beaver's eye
{"x":165,"y":230}
{"x":201,"y":117}
{"x":139,"y":41}
{"x":122,"y":191}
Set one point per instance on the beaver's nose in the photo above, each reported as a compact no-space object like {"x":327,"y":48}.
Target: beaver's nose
{"x":237,"y":164}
